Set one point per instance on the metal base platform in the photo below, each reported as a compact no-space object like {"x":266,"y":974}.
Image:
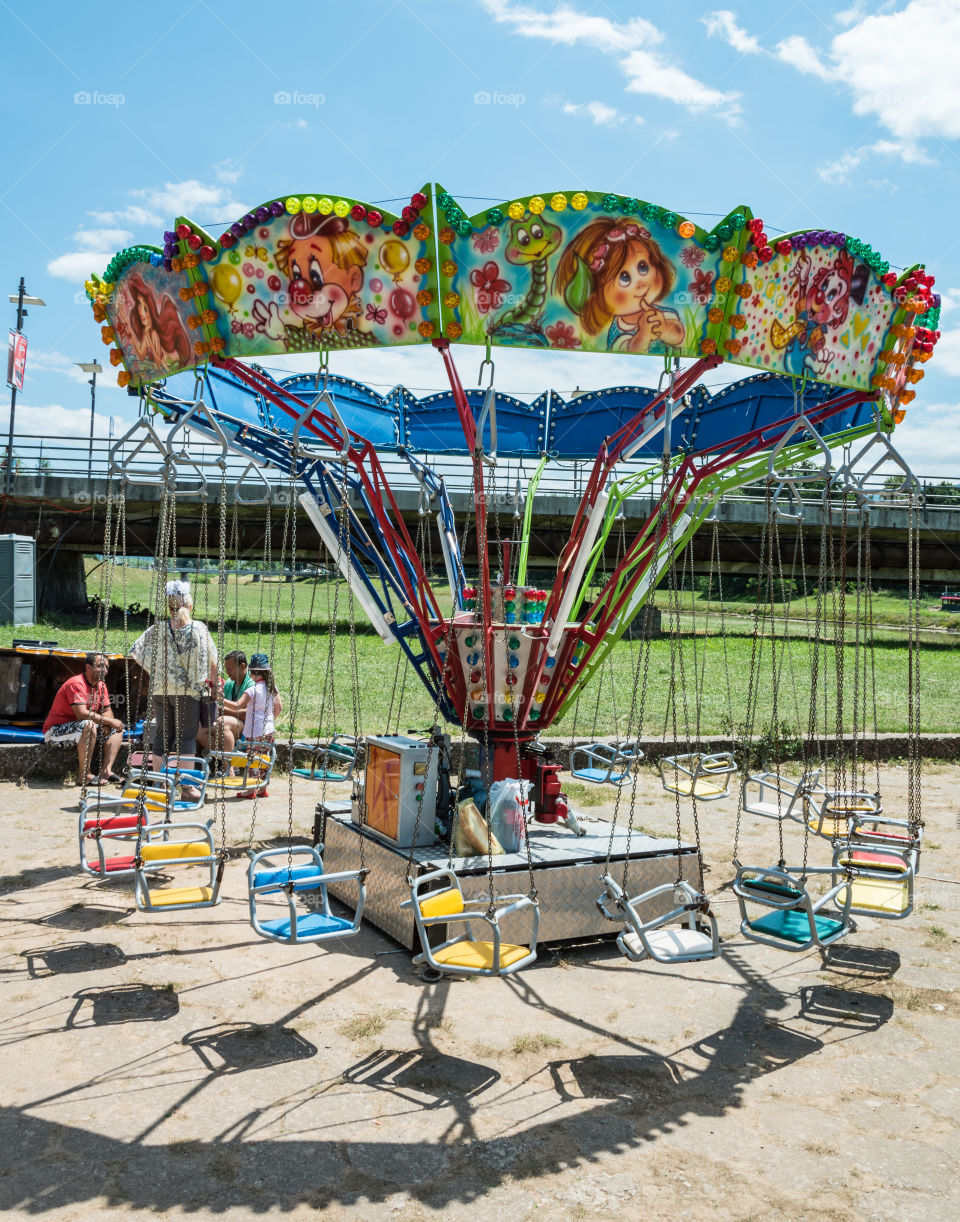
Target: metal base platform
{"x":566,"y":871}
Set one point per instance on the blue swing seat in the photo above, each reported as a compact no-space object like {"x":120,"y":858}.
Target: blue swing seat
{"x":794,"y":926}
{"x":311,"y":927}
{"x":282,"y":876}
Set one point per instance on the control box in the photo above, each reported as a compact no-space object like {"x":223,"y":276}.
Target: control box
{"x":399,"y":779}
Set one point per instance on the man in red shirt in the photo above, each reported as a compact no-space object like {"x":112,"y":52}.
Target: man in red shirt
{"x":80,"y":714}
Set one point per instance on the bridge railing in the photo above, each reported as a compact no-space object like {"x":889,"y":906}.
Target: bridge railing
{"x":37,"y":458}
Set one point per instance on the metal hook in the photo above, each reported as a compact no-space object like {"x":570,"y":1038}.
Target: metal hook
{"x":486,"y":361}
{"x":323,"y":368}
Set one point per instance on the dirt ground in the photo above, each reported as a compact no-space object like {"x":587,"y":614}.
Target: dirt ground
{"x":175,"y":1064}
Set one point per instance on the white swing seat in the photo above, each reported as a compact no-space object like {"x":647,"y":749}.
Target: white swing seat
{"x":605,"y":763}
{"x":793,"y":921}
{"x":462,"y":955}
{"x":166,"y":855}
{"x":773,"y":796}
{"x":698,"y":775}
{"x":656,"y":938}
{"x":320,"y":923}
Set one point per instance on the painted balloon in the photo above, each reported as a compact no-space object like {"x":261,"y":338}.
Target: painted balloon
{"x":226,"y":284}
{"x":394,"y":258}
{"x":402,"y":304}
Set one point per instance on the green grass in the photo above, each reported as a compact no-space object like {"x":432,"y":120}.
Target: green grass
{"x":715,"y":668}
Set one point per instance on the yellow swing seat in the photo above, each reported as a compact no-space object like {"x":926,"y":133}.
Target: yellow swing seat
{"x":171,"y":855}
{"x":883,"y":885}
{"x":698,"y":775}
{"x":462,"y":955}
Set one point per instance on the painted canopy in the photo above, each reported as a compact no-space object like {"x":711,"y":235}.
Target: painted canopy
{"x":575,"y":270}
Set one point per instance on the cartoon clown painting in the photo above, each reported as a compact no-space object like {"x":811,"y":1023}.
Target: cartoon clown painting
{"x":822,"y":303}
{"x":323,"y":261}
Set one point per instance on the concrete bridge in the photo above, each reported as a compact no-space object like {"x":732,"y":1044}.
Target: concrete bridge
{"x":65,"y":511}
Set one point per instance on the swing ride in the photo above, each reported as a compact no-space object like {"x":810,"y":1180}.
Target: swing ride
{"x":837,"y":342}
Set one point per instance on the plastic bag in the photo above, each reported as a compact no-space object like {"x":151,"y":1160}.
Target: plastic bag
{"x":507,"y":808}
{"x":470,"y":837}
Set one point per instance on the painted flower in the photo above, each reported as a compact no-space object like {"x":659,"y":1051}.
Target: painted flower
{"x":248,"y":330}
{"x":486,"y":240}
{"x":701,"y":286}
{"x":235,"y":325}
{"x":756,"y":301}
{"x":562,"y":335}
{"x":488,"y":287}
{"x":691,"y":256}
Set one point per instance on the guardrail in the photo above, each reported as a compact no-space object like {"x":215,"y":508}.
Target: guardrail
{"x":37,"y":458}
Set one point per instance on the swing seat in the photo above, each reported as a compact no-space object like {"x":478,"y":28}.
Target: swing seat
{"x":885,"y":832}
{"x":181,"y":897}
{"x":113,"y":829}
{"x":828,"y":813}
{"x":883,"y":886}
{"x":794,"y":921}
{"x":656,"y":938}
{"x":340,"y":749}
{"x":462,"y":955}
{"x":604,"y":763}
{"x":793,"y":926}
{"x":480,"y":956}
{"x":111,"y":865}
{"x":695,"y":775}
{"x":256,"y":765}
{"x":772,"y":796}
{"x":165,"y":782}
{"x":318,"y":923}
{"x":172,"y":855}
{"x":309,"y":927}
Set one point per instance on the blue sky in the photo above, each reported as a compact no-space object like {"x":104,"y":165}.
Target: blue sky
{"x":119,"y":118}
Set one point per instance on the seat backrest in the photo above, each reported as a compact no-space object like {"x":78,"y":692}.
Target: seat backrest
{"x":772,"y":888}
{"x":442,"y":903}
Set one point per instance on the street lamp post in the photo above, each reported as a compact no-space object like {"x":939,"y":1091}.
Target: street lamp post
{"x":21,"y":300}
{"x":91,"y":367}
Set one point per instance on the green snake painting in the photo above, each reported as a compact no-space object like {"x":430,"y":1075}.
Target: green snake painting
{"x":531,"y":242}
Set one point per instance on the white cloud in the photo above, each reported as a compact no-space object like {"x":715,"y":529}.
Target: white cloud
{"x":723,"y":24}
{"x":78,"y":265}
{"x":600,"y":113}
{"x":841,"y":170}
{"x":899,"y":66}
{"x":629,"y":42}
{"x":946,"y":355}
{"x":149,"y":211}
{"x":100,"y":239}
{"x":799,"y":54}
{"x":53,"y":421}
{"x":849,"y":16}
{"x":43,"y":361}
{"x":928,"y":446}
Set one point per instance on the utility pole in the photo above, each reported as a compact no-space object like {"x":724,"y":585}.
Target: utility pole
{"x":92,"y":367}
{"x":21,"y":299}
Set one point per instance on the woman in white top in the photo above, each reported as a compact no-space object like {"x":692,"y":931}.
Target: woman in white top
{"x":260,"y":705}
